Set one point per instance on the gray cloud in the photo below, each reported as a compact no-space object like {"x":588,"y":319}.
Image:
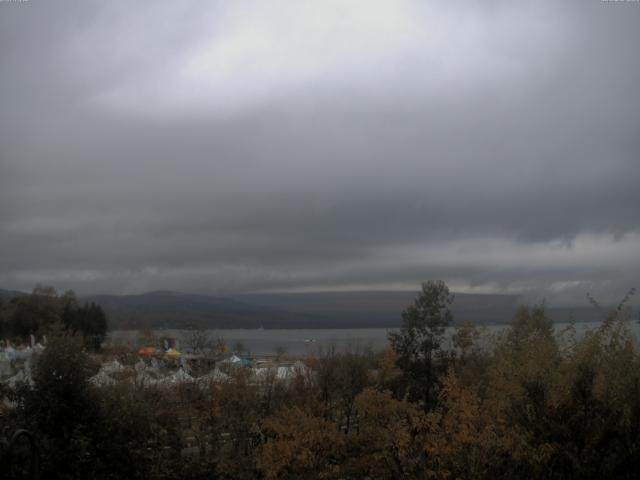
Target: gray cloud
{"x":294,"y":145}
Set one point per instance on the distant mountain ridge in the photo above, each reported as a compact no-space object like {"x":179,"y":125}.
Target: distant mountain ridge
{"x":296,"y":310}
{"x":9,"y":294}
{"x":183,"y":310}
{"x":384,"y":308}
{"x":361,"y":309}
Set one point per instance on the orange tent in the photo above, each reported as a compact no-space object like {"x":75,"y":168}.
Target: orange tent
{"x":146,"y":351}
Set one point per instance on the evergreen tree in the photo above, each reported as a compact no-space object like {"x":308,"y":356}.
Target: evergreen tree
{"x":419,"y":342}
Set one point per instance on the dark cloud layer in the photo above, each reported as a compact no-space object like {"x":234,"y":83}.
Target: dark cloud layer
{"x":293,"y":145}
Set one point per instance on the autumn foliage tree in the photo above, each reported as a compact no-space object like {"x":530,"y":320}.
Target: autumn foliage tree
{"x":387,"y":442}
{"x":299,"y":445}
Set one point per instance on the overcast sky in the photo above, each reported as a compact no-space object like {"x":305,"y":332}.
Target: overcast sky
{"x":238,"y":146}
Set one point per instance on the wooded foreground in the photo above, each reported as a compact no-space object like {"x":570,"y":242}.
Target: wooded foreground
{"x":538,"y":404}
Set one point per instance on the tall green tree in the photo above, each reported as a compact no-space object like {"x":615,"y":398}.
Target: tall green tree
{"x":83,"y":431}
{"x":62,"y":406}
{"x":35,"y":313}
{"x":419,"y":341}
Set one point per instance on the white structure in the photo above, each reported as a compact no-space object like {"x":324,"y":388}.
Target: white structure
{"x":176,"y":378}
{"x":104,"y":375}
{"x":216,"y":376}
{"x":282,"y":372}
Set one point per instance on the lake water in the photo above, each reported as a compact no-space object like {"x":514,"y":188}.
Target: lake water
{"x":304,"y":341}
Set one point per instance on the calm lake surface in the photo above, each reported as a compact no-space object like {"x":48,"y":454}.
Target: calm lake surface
{"x":304,"y":341}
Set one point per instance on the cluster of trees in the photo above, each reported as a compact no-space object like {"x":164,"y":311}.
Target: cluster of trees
{"x":44,"y":310}
{"x":537,"y":404}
